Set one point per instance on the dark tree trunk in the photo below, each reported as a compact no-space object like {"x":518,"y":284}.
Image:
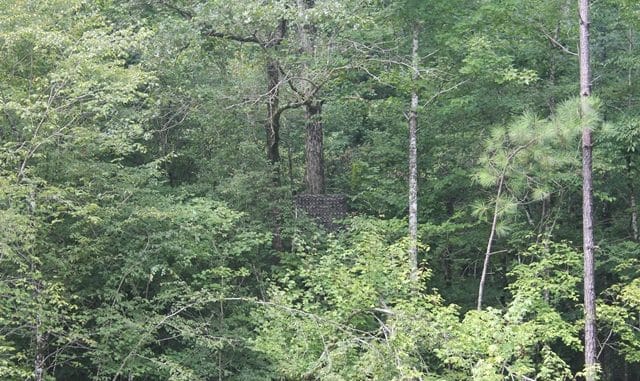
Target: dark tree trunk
{"x":272,"y":126}
{"x":272,"y":41}
{"x":314,"y":172}
{"x":587,"y":201}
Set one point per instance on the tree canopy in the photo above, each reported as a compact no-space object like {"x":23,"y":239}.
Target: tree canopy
{"x":163,"y":164}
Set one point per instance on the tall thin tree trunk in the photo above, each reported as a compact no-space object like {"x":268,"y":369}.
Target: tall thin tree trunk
{"x":632,"y":189}
{"x":413,"y":159}
{"x":551,"y":101}
{"x":487,"y":254}
{"x":632,"y":201}
{"x":634,"y":212}
{"x":39,"y":366}
{"x":590,"y":333}
{"x":40,"y":343}
{"x":220,"y":327}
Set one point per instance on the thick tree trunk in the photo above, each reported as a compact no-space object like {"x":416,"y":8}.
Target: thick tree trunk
{"x":307,"y":30}
{"x":314,"y":149}
{"x":413,"y":160}
{"x":314,"y":155}
{"x":587,"y":200}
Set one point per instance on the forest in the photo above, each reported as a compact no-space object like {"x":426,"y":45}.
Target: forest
{"x":292,"y":190}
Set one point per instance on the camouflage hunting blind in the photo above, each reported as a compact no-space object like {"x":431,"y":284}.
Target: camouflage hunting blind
{"x":326,"y":209}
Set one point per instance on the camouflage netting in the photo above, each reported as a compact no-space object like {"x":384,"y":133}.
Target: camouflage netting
{"x":325,"y":208}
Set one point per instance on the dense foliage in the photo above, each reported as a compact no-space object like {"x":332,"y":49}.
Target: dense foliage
{"x":151,"y":152}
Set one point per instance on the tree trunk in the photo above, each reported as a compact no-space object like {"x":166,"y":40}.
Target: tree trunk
{"x":39,"y":366}
{"x":40,"y":343}
{"x":632,"y":201}
{"x":587,"y":200}
{"x":634,"y":214}
{"x":487,"y":254}
{"x":272,"y":133}
{"x":272,"y":126}
{"x":413,"y":160}
{"x":314,"y":150}
{"x":307,"y":30}
{"x":632,"y":188}
{"x":314,"y":156}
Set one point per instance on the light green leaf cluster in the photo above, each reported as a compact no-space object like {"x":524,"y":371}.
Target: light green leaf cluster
{"x":352,"y":313}
{"x":619,"y":310}
{"x":532,"y":157}
{"x":494,"y":345}
{"x":483,"y":59}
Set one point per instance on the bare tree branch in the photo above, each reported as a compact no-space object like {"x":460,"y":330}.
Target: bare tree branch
{"x":556,"y":43}
{"x":443,"y":91}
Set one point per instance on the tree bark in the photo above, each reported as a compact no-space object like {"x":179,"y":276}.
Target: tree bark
{"x":314,"y":156}
{"x":413,"y":159}
{"x":590,"y":333}
{"x":272,"y":126}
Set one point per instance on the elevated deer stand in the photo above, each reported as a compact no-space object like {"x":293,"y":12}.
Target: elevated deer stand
{"x":326,"y":209}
